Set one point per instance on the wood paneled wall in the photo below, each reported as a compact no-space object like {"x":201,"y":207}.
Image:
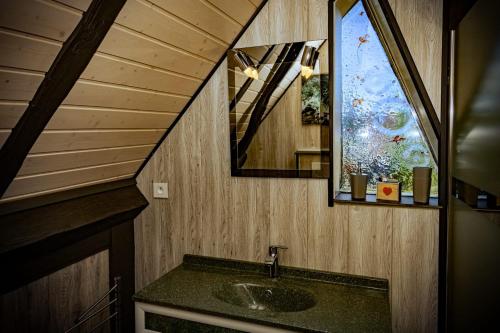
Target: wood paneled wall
{"x":52,"y":303}
{"x":153,"y":59}
{"x":30,"y":38}
{"x":211,"y":213}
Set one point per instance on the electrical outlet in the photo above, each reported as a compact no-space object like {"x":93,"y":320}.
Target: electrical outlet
{"x":160,"y":190}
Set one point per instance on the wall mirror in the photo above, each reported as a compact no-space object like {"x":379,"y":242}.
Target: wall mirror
{"x":279,"y":110}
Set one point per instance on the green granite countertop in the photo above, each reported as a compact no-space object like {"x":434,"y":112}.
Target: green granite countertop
{"x":344,"y":303}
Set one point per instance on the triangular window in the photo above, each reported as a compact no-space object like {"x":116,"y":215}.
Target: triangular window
{"x":379,"y":125}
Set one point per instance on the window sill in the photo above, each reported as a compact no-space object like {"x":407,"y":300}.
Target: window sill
{"x":371,"y":199}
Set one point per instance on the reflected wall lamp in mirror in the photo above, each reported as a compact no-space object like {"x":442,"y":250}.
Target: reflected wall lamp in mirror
{"x":246,"y":64}
{"x":309,"y":57}
{"x":279,"y":110}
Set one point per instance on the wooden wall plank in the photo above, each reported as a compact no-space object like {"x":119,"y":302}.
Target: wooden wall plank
{"x":38,"y":18}
{"x":126,"y":43}
{"x":421,"y":24}
{"x":90,"y":93}
{"x":187,"y":188}
{"x":256,"y":2}
{"x":414,"y":279}
{"x":258,"y":31}
{"x":20,"y":50}
{"x":16,"y":84}
{"x":370,"y":239}
{"x":10,"y":112}
{"x":317,"y":27}
{"x":52,"y":141}
{"x":60,"y":179}
{"x":42,"y":163}
{"x":110,"y":69}
{"x":215,"y":170}
{"x":291,"y":26}
{"x":170,"y":29}
{"x":202,"y":15}
{"x":250,"y":218}
{"x":80,"y":117}
{"x":76,"y":287}
{"x":24,"y":309}
{"x":241,"y":11}
{"x":77,"y":4}
{"x":289,"y":222}
{"x":52,"y":303}
{"x":327,"y":230}
{"x":168,"y":238}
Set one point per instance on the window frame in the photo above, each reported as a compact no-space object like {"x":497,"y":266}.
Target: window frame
{"x":391,"y":38}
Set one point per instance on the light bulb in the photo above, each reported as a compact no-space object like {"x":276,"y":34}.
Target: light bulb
{"x":251,"y":72}
{"x":306,"y":71}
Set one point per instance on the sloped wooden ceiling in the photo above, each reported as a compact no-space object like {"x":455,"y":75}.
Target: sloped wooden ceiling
{"x":151,"y":62}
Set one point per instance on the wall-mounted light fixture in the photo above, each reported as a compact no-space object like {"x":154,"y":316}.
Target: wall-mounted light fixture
{"x":246,"y":64}
{"x":308,"y":61}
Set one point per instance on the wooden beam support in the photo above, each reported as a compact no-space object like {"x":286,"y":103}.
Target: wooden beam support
{"x":69,"y":64}
{"x":83,"y":215}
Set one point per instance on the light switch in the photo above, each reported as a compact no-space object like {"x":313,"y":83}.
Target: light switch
{"x":160,"y":190}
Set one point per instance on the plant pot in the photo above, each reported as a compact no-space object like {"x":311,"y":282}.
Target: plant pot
{"x":421,"y":184}
{"x":358,"y":186}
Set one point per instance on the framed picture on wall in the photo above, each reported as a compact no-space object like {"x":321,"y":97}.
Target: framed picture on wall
{"x":314,"y":96}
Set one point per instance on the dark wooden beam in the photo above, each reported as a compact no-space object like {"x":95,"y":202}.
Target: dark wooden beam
{"x":58,"y":222}
{"x":69,"y":64}
{"x":122,"y":264}
{"x":11,"y":207}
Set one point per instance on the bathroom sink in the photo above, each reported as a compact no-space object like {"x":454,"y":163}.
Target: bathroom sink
{"x":265,"y":297}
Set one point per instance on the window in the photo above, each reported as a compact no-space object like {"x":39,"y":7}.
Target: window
{"x":379,"y":126}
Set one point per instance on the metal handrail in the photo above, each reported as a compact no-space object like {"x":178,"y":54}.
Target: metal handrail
{"x":90,"y":313}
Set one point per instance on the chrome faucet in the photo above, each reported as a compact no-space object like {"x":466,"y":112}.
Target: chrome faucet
{"x":272,"y":260}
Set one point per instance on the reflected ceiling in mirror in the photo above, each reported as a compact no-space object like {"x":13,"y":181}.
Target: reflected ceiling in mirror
{"x":279,"y":110}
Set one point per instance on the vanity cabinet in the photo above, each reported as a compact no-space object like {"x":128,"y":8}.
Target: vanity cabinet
{"x":207,"y":294}
{"x":159,"y":319}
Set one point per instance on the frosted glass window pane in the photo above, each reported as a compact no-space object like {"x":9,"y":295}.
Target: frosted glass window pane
{"x":379,"y":127}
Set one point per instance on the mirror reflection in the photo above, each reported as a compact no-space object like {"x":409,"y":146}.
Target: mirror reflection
{"x":279,"y":110}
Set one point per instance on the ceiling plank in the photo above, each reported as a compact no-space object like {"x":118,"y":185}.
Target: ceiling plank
{"x":69,"y":64}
